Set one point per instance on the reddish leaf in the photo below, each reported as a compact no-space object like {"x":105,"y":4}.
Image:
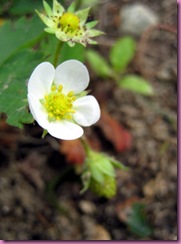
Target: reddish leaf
{"x":73,"y":151}
{"x":114,"y":132}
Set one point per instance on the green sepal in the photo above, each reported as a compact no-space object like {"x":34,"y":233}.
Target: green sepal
{"x":57,"y":8}
{"x":86,"y":178}
{"x":47,"y":8}
{"x":49,"y":30}
{"x":96,"y":174}
{"x":106,"y":189}
{"x":71,"y":8}
{"x":92,"y":42}
{"x":101,"y":163}
{"x":118,"y":164}
{"x":94,"y":33}
{"x":47,"y":21}
{"x":91,"y":24}
{"x":45,"y":132}
{"x":83,"y":15}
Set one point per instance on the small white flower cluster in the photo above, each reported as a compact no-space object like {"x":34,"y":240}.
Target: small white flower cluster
{"x":57,"y":99}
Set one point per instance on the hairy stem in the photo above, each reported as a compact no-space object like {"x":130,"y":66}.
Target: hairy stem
{"x":85,"y":145}
{"x":57,"y":53}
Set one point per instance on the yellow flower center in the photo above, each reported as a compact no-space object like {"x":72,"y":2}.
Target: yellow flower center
{"x":69,"y":21}
{"x":58,"y":105}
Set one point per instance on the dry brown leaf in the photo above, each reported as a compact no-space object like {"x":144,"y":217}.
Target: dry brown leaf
{"x":114,"y":132}
{"x":73,"y":151}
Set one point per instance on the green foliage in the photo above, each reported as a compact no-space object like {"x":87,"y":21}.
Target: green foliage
{"x":20,"y":34}
{"x":137,"y":221}
{"x":120,"y":56}
{"x":14,"y":74}
{"x":98,"y":64}
{"x":121,"y":53}
{"x":22,"y":7}
{"x":77,"y":52}
{"x":48,"y":46}
{"x":137,"y":84}
{"x":17,"y":60}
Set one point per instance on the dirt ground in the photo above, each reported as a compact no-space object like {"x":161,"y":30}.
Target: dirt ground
{"x":28,"y":164}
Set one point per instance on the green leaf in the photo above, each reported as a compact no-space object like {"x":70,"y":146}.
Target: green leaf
{"x":137,"y":221}
{"x":98,"y":64}
{"x":76,"y":52}
{"x":14,"y":74}
{"x":49,"y":46}
{"x":15,"y":35}
{"x":136,"y":84}
{"x":22,"y":7}
{"x":121,"y":53}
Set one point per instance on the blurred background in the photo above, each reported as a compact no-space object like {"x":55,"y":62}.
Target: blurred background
{"x":40,"y":190}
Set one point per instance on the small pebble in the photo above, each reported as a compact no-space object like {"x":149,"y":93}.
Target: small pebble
{"x":136,"y":18}
{"x":87,"y":207}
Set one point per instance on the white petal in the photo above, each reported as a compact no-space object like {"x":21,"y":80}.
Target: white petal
{"x":38,"y":112}
{"x":41,"y":79}
{"x":87,"y":111}
{"x":65,"y":130}
{"x":72,"y":75}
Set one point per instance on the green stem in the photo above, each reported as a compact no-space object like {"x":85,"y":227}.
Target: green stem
{"x":85,"y":145}
{"x":57,"y":53}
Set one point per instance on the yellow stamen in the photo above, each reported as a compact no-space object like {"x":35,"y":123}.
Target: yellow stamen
{"x":58,"y":105}
{"x":69,"y":22}
{"x":60,"y":88}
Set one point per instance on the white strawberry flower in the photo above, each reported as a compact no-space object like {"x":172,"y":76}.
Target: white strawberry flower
{"x":57,"y":99}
